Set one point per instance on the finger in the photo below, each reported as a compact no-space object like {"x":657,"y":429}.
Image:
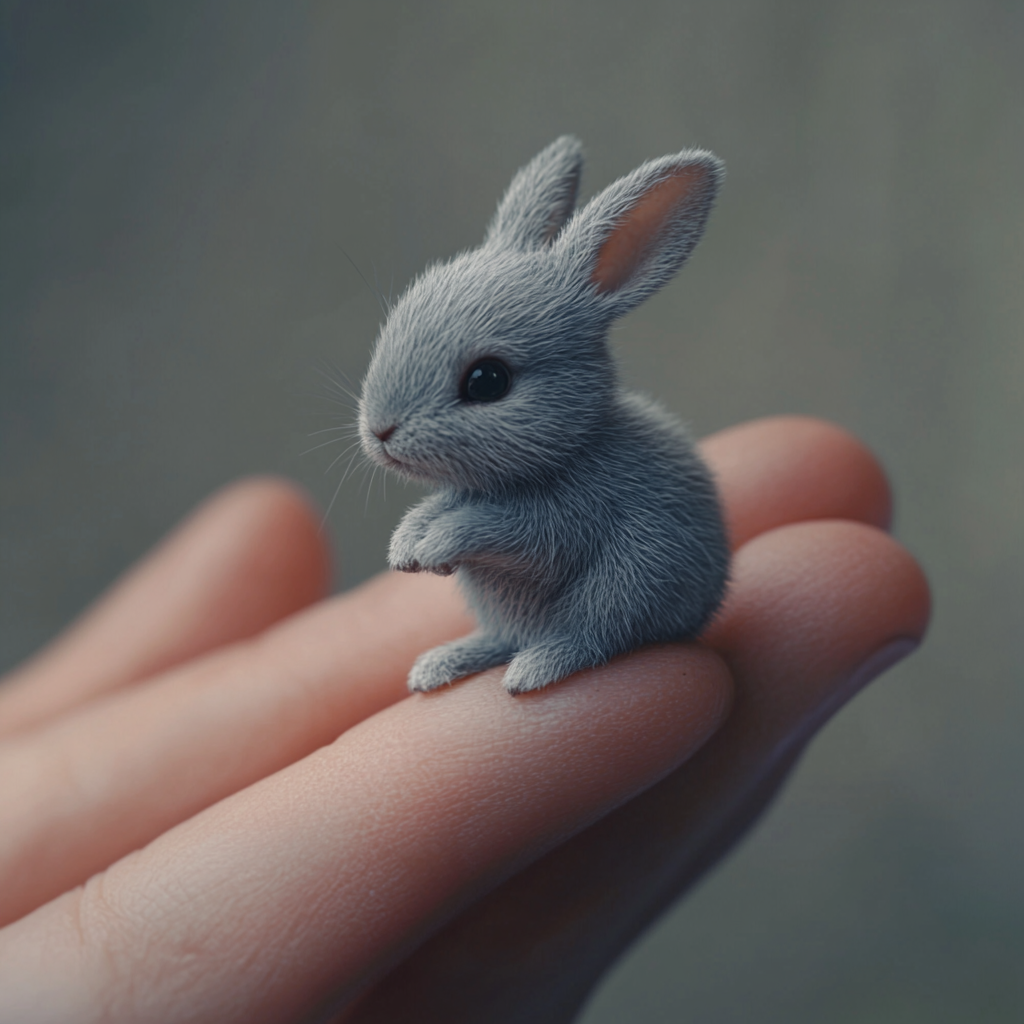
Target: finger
{"x":251,"y":556}
{"x":98,"y":785}
{"x":787,"y":469}
{"x":248,"y":557}
{"x":735,"y":463}
{"x":818,"y":610}
{"x":258,"y":908}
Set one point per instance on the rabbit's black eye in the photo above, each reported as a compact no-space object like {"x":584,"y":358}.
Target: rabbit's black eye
{"x":487,"y":381}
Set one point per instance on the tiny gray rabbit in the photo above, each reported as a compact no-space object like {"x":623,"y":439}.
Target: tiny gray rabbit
{"x":578,"y":517}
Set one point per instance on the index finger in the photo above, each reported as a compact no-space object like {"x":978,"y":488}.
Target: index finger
{"x":318,"y":876}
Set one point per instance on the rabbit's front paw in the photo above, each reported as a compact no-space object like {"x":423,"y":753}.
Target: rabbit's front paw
{"x":403,"y":561}
{"x":438,"y":568}
{"x":444,"y":569}
{"x":437,"y":552}
{"x":414,"y":558}
{"x":404,"y":541}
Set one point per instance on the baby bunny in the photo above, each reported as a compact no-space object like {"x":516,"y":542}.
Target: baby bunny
{"x":579,"y":519}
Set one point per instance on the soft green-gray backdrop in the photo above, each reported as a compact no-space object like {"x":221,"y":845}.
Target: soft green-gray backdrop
{"x":181,"y":183}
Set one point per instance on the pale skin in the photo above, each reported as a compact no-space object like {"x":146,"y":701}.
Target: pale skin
{"x":313,"y":843}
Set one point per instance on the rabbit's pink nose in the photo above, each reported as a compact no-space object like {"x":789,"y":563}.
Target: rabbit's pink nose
{"x":383,"y":435}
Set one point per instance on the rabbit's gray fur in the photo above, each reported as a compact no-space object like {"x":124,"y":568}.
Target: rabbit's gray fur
{"x":579,"y":518}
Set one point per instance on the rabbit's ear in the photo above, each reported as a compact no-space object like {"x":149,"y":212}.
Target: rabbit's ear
{"x":540,"y":199}
{"x":640,"y":230}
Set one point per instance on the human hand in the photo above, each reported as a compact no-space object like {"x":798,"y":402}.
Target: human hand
{"x":306,"y":833}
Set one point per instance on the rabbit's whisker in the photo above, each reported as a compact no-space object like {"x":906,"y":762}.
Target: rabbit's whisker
{"x":369,"y":489}
{"x":367,"y":283}
{"x":384,"y":300}
{"x":336,"y":384}
{"x":324,"y":444}
{"x":352,"y":431}
{"x":340,"y":457}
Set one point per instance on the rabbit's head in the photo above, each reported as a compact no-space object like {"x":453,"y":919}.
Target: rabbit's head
{"x":492,"y":369}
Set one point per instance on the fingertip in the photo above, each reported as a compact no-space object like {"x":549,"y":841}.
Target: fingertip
{"x":655,"y":705}
{"x":279,"y":511}
{"x":785,"y":469}
{"x":695,"y":674}
{"x":810,"y":603}
{"x":247,"y":557}
{"x":250,"y":555}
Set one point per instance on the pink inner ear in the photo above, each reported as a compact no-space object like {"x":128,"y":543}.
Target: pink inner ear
{"x":628,"y":246}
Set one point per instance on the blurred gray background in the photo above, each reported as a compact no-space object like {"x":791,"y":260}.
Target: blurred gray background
{"x":180,"y":185}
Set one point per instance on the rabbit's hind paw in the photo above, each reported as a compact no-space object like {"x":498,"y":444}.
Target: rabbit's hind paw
{"x":545,"y":663}
{"x":445,"y":664}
